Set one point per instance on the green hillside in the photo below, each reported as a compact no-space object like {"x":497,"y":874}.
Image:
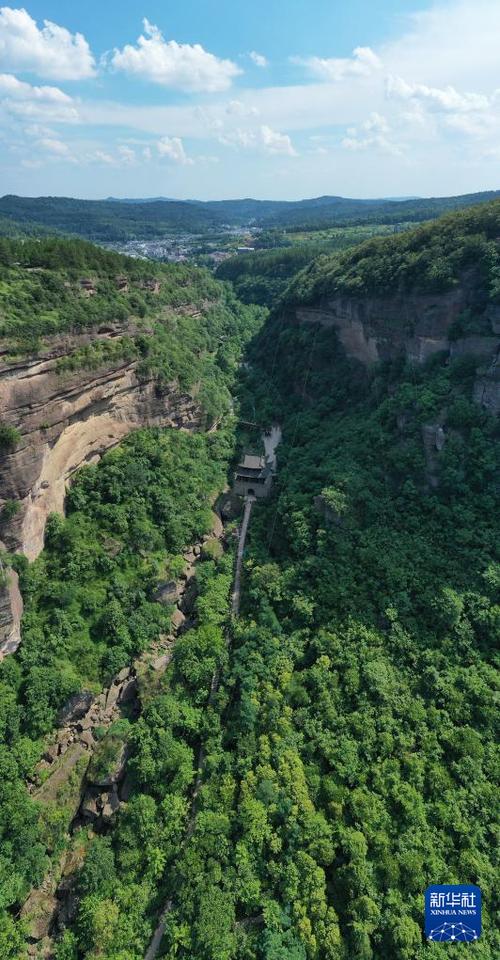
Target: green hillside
{"x":430,"y":259}
{"x":347,"y":755}
{"x":117,"y":220}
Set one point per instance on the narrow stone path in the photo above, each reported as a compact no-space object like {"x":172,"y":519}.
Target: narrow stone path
{"x":235,"y":602}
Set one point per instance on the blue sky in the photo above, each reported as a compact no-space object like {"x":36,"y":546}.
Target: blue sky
{"x":284,"y":98}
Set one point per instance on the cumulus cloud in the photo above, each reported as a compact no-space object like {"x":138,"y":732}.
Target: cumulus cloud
{"x":51,"y":51}
{"x":362,"y":63}
{"x":441,"y":99}
{"x":12,"y":87}
{"x":264,"y":138}
{"x":275,"y":142}
{"x":373,"y":132}
{"x":126,"y":154}
{"x":173,"y":149}
{"x":100,"y":156}
{"x":181,"y":66}
{"x":43,"y":102}
{"x":258,"y":59}
{"x":239,"y":109}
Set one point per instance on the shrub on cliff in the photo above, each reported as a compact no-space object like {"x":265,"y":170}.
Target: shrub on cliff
{"x":9,"y":437}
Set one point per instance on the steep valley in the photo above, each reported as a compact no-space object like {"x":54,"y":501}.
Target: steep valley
{"x":349,"y":743}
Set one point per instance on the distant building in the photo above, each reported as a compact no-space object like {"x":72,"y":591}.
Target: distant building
{"x":245,"y":249}
{"x":253,"y":477}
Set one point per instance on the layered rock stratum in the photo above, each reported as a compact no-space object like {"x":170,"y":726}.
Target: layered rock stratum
{"x":67,"y":418}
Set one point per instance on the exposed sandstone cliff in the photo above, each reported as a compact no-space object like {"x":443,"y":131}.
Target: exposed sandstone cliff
{"x":415,"y":326}
{"x":66,"y":419}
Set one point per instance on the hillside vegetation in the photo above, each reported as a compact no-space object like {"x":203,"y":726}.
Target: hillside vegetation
{"x":41,"y":290}
{"x":89,"y":598}
{"x":263,"y":276}
{"x":187,"y":329}
{"x":107,"y":219}
{"x":118,"y":220}
{"x":431,"y":259}
{"x":349,"y":749}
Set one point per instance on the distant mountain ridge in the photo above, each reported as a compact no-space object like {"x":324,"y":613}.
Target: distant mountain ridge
{"x":114,"y":219}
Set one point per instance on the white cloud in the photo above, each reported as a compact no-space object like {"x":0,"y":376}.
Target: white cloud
{"x":334,"y":69}
{"x":56,"y":147}
{"x":454,"y":42}
{"x":19,"y":90}
{"x":275,"y":142}
{"x":52,"y":149}
{"x":173,"y":149}
{"x":239,"y":109}
{"x":126,"y":154}
{"x":258,"y":59}
{"x":374,"y":132}
{"x":441,"y":99}
{"x":44,"y":103}
{"x":263,"y":138}
{"x":181,"y":66}
{"x":100,"y":156}
{"x":52,"y":51}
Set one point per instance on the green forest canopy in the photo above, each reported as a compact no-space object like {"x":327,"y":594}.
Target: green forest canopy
{"x":350,"y":752}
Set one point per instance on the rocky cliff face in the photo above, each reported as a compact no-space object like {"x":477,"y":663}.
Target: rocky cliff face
{"x":415,"y":326}
{"x":67,"y":419}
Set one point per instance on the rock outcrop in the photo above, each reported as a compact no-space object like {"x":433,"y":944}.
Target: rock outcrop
{"x":69,"y":418}
{"x":11,"y":609}
{"x":66,"y":418}
{"x":413,"y":325}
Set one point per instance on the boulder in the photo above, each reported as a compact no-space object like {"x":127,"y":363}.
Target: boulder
{"x":167,"y":592}
{"x":128,"y":690}
{"x":112,"y":697}
{"x":38,"y":913}
{"x":178,"y":618}
{"x":161,"y":663}
{"x":217,"y":526}
{"x":85,"y":724}
{"x":75,"y":708}
{"x":89,"y":808}
{"x":110,"y":807}
{"x":121,"y":676}
{"x":51,"y":753}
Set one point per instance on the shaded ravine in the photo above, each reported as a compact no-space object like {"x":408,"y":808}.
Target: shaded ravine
{"x":271,"y":439}
{"x":157,"y":938}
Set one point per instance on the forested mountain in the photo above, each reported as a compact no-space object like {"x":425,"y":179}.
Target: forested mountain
{"x":115,"y":220}
{"x":107,"y":219}
{"x":262,"y":276}
{"x":297,"y":776}
{"x":323,"y":211}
